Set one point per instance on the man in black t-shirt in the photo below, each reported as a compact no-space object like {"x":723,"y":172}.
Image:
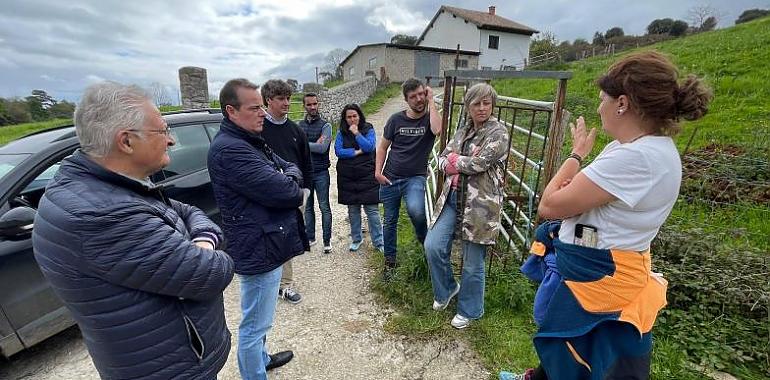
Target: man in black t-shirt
{"x":289,"y":142}
{"x":410,"y":135}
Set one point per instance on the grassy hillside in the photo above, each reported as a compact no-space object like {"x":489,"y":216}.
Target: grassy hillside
{"x":713,"y":249}
{"x":734,"y":61}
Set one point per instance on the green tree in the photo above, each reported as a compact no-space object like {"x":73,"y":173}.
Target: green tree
{"x":404,"y":39}
{"x":613,"y":32}
{"x":45,"y":100}
{"x":667,"y":26}
{"x":678,"y":28}
{"x":18,"y":111}
{"x":599,"y":39}
{"x":62,"y":109}
{"x":751,"y":14}
{"x":660,"y":26}
{"x":543,"y":44}
{"x":5,"y":119}
{"x":36,"y":109}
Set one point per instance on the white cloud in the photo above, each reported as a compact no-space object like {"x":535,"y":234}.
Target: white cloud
{"x":90,"y":78}
{"x":63,"y":46}
{"x":398,"y":19}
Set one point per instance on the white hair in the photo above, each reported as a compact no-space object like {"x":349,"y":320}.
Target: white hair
{"x":106,"y":108}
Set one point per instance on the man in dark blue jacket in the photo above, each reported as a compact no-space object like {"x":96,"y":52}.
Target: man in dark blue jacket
{"x":259,"y":197}
{"x":319,"y":135}
{"x":139,"y":272}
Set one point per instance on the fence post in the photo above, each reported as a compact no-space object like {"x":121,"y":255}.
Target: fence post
{"x":552,"y":154}
{"x":446,"y":110}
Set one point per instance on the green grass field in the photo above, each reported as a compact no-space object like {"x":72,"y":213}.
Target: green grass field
{"x":13,"y":132}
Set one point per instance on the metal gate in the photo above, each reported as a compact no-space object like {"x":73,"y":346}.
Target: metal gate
{"x":536,"y":130}
{"x":426,"y":64}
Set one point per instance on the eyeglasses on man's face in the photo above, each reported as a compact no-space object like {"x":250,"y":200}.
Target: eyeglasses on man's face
{"x":165,"y":131}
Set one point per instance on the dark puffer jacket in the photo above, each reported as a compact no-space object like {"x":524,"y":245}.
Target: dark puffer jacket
{"x":258,"y":202}
{"x":355,"y":175}
{"x":120,"y":255}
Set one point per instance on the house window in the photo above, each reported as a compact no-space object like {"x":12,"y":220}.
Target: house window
{"x":494,"y":42}
{"x":352,"y":71}
{"x":461,"y":63}
{"x":372,"y":62}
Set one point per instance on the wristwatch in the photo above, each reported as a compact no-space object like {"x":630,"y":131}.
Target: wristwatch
{"x":577,"y":157}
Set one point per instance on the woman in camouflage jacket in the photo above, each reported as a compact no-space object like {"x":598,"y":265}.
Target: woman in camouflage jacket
{"x":473,"y":162}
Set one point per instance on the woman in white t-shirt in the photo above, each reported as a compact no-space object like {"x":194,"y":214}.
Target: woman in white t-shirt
{"x":620,"y":200}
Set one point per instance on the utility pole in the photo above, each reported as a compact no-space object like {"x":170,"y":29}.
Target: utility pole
{"x":316,"y":75}
{"x":457,"y":57}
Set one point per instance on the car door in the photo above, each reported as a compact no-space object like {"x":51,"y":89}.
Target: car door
{"x":29,"y":304}
{"x":186,"y":178}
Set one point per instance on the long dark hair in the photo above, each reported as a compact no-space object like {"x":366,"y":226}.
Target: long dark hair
{"x":363,"y":126}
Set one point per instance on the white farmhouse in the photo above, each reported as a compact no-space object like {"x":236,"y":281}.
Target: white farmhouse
{"x":501,"y":43}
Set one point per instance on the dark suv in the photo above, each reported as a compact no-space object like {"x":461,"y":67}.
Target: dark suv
{"x":29,"y":310}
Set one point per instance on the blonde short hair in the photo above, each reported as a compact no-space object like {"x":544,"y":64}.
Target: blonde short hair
{"x":479,"y":91}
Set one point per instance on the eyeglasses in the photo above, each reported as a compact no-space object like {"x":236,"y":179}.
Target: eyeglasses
{"x":166,"y":131}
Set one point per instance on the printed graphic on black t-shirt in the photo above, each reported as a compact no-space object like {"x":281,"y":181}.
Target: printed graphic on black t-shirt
{"x":411,"y":143}
{"x":406,"y":131}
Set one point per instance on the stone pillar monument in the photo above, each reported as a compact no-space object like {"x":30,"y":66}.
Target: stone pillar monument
{"x":194,"y":86}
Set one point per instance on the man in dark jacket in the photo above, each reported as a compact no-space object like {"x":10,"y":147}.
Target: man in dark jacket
{"x":258,"y":195}
{"x":319,"y":135}
{"x":139,"y":272}
{"x":290,"y":143}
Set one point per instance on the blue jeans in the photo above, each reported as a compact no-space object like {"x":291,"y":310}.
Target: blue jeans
{"x":412,"y":189}
{"x":320,"y":187}
{"x":258,"y":300}
{"x":375,"y":226}
{"x":438,"y":249}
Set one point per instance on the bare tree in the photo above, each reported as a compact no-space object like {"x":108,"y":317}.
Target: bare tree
{"x":333,"y":60}
{"x":699,"y":14}
{"x":159,"y":94}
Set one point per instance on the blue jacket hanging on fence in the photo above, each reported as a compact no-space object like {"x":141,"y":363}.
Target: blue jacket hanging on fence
{"x":594,"y":308}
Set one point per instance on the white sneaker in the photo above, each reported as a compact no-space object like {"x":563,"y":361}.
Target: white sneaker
{"x":312,"y":242}
{"x":460,"y":322}
{"x":327,"y":249}
{"x":441,"y":306}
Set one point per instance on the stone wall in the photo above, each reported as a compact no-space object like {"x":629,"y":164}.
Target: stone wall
{"x":194,"y":86}
{"x":334,"y":99}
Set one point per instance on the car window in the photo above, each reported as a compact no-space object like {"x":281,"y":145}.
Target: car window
{"x":42,"y":179}
{"x":213,"y":129}
{"x":190,"y":152}
{"x":33,"y":191}
{"x":9,"y":161}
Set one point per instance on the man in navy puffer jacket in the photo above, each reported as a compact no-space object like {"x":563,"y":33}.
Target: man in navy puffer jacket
{"x":138,"y":271}
{"x":258,"y":195}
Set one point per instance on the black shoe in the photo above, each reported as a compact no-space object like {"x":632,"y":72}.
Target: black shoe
{"x":279,"y":359}
{"x":389,"y":271}
{"x":290,"y":295}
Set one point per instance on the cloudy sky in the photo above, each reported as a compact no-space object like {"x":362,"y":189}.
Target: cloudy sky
{"x":62,"y":46}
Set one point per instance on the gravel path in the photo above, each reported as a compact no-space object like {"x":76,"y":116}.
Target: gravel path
{"x":336,"y":332}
